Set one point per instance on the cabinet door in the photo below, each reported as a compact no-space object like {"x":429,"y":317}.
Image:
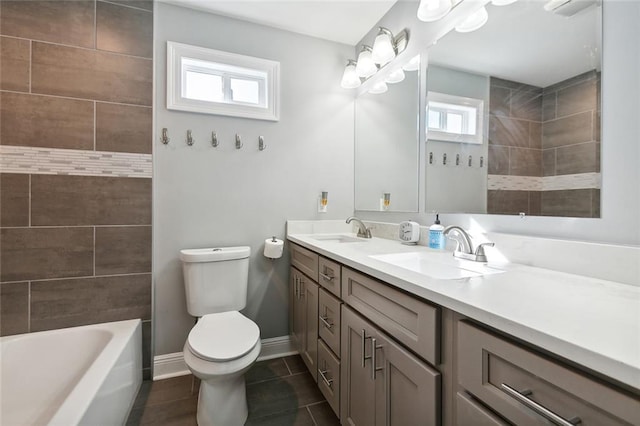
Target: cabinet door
{"x":407,"y":390}
{"x":295,"y":310}
{"x":329,"y":320}
{"x":309,"y":314}
{"x":357,"y":392}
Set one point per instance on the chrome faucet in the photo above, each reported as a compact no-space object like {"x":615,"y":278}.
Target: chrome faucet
{"x":464,"y":248}
{"x":363,"y":231}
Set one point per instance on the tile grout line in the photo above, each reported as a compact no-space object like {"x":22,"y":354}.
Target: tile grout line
{"x":30,"y":63}
{"x":286,"y":364}
{"x":127,"y":6}
{"x":96,"y":50}
{"x":94,"y":251}
{"x":95,"y":124}
{"x":77,"y":99}
{"x":311,"y":415}
{"x":29,"y":200}
{"x":29,"y":307}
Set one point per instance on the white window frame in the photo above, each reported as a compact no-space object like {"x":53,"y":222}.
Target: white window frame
{"x":269,"y":87}
{"x":477,"y":104}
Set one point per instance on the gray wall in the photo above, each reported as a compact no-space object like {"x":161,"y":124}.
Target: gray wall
{"x":620,"y":221}
{"x":386,"y":146}
{"x":208,"y":197}
{"x":470,"y":182}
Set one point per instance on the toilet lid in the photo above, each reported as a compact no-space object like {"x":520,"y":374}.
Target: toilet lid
{"x":223,"y":336}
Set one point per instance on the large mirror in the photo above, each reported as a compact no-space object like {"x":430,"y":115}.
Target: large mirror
{"x":387,"y":147}
{"x":515,"y":108}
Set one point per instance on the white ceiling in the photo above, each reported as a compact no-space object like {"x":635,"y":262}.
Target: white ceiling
{"x":524,"y":43}
{"x":343,"y":21}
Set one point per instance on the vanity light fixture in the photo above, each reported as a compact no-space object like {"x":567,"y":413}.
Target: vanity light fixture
{"x":350,"y":79}
{"x":396,"y":76}
{"x":365,"y":66}
{"x":379,"y":88}
{"x":384,"y":49}
{"x":432,"y":10}
{"x":473,"y":21}
{"x":413,"y":64}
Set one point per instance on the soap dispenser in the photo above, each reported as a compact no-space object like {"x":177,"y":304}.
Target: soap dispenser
{"x":436,"y":238}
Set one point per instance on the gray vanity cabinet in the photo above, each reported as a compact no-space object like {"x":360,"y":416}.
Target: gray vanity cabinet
{"x":304,"y":318}
{"x":527,"y":388}
{"x":383,"y":383}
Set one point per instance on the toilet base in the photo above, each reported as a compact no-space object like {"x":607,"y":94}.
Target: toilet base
{"x":223,"y":402}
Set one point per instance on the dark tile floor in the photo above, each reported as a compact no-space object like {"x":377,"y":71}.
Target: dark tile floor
{"x":280,"y":392}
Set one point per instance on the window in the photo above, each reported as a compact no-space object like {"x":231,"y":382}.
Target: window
{"x":454,"y":118}
{"x":215,"y":82}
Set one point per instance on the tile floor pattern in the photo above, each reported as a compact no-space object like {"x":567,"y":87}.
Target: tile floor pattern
{"x":280,"y":392}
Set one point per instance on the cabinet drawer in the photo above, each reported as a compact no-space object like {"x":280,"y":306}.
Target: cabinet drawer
{"x":305,"y":260}
{"x":329,"y":275}
{"x":411,"y":321}
{"x":499,"y":372}
{"x":471,"y":413}
{"x":329,"y":376}
{"x":329,"y":320}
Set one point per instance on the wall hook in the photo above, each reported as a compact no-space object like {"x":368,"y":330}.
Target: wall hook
{"x":165,"y":136}
{"x":261,"y":144}
{"x":189,"y":138}
{"x":431,"y":158}
{"x":481,"y":162}
{"x":238,"y":141}
{"x":444,"y":158}
{"x":214,"y":140}
{"x":470,"y":160}
{"x":457,"y":159}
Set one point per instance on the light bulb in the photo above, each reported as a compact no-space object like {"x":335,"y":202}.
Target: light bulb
{"x":378,"y":88}
{"x":365,"y":67}
{"x":350,"y":79}
{"x":432,"y":10}
{"x":395,"y":77}
{"x":413,"y":64}
{"x":473,"y":21}
{"x":383,"y":50}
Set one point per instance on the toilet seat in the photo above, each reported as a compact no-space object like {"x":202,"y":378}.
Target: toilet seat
{"x":223,"y":336}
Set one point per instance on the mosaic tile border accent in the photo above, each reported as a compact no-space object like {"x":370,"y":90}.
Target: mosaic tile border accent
{"x":547,"y":183}
{"x":52,"y":161}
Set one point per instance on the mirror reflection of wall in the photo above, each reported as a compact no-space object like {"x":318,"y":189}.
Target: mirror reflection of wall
{"x":540,"y":75}
{"x":387,"y":148}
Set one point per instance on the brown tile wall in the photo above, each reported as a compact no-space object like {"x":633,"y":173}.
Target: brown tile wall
{"x":545,"y":132}
{"x":75,"y":250}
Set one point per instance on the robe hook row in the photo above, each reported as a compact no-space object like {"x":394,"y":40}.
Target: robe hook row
{"x":190,"y":141}
{"x":458,"y":160}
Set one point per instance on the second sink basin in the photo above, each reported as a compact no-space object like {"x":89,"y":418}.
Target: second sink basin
{"x":437,"y":265}
{"x":338,"y":238}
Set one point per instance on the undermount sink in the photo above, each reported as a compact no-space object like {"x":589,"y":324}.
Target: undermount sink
{"x":437,"y":265}
{"x":338,"y":238}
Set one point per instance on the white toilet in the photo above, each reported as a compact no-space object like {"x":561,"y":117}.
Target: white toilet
{"x":223,"y":344}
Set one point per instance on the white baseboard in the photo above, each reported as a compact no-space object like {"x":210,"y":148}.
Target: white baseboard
{"x":173,"y":365}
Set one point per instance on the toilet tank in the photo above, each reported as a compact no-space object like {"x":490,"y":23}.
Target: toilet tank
{"x":215,"y":279}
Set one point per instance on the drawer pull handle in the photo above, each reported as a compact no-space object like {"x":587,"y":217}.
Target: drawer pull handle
{"x":326,"y":381}
{"x":540,"y":409}
{"x":325,"y":322}
{"x":326,"y":277}
{"x":296,"y":290}
{"x":374,"y":348}
{"x":363,"y":347}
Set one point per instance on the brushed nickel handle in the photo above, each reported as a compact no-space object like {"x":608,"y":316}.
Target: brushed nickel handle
{"x":325,"y":322}
{"x":303,"y":288}
{"x":363,"y":346}
{"x":539,"y":408}
{"x":326,"y":277}
{"x":297,"y":287}
{"x":374,"y":348}
{"x":326,"y":381}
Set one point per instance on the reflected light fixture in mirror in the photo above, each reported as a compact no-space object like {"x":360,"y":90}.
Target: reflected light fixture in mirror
{"x":365,"y":66}
{"x":379,"y":88}
{"x":413,"y":64}
{"x":350,"y":79}
{"x":432,"y":10}
{"x":396,"y":76}
{"x":474,"y":21}
{"x":383,"y":47}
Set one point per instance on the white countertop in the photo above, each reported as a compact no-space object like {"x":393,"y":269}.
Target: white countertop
{"x":592,"y":322}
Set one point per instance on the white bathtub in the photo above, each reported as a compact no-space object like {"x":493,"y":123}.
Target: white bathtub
{"x":86,"y":375}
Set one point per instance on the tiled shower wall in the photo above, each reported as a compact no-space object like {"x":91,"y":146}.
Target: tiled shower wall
{"x":75,"y":158}
{"x":544,"y":148}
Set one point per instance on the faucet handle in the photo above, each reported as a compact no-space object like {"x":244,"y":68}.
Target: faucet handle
{"x":480,"y":254}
